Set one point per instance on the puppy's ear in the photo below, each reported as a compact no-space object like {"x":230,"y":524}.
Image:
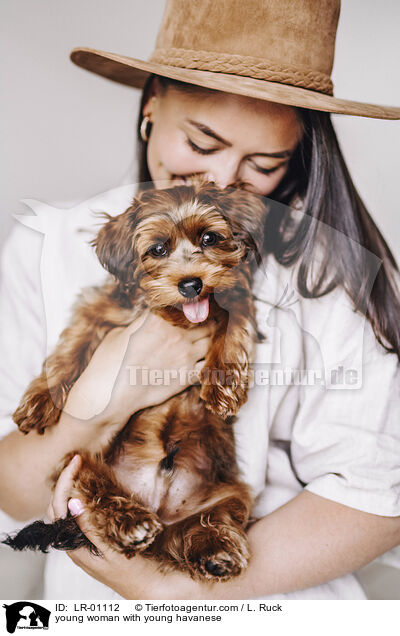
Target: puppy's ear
{"x":114,"y":245}
{"x":247,"y":214}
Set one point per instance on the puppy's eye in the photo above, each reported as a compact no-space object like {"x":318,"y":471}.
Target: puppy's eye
{"x":210,"y":238}
{"x":158,"y":250}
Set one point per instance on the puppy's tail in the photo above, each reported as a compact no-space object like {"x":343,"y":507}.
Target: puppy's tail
{"x":62,"y":534}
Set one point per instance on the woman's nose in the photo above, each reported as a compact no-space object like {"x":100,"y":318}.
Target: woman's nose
{"x":224,"y":174}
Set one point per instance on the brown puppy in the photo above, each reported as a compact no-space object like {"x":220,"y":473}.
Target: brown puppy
{"x":168,"y":484}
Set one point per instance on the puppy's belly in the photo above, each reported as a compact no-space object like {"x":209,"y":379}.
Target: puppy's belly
{"x":147,"y":482}
{"x":173,"y":495}
{"x":182,"y":497}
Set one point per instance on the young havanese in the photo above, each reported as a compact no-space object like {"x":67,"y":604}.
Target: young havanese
{"x":167,"y":485}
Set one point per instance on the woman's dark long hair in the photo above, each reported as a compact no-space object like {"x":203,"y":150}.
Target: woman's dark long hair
{"x":333,"y":218}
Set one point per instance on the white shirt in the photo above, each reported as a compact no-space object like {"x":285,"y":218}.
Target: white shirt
{"x":340,"y":440}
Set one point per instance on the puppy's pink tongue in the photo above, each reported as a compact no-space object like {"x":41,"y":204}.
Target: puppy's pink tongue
{"x":196,"y":312}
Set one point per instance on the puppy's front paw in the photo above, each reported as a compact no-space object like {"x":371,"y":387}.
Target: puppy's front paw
{"x":224,"y":391}
{"x":37,"y":411}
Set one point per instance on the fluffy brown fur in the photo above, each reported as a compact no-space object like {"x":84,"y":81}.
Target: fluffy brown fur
{"x":168,"y":484}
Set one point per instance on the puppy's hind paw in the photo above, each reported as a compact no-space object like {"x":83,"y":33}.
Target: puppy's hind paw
{"x":222,"y":565}
{"x":136,"y":532}
{"x":145,"y":533}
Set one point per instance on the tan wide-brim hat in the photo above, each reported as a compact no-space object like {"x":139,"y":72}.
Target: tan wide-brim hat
{"x":276,"y":50}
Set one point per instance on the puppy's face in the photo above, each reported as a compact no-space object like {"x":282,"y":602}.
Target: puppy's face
{"x":179,"y":245}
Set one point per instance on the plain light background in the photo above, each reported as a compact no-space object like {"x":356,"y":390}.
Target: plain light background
{"x":66,"y":134}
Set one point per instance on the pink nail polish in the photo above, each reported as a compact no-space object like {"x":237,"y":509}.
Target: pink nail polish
{"x":75,"y":506}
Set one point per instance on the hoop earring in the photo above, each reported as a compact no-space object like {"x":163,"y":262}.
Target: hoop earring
{"x":144,"y":128}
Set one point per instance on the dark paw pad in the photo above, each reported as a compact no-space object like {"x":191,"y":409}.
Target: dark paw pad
{"x":215,"y":568}
{"x":222,"y":565}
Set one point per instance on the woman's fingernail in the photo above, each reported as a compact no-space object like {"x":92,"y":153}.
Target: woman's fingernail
{"x":75,"y":506}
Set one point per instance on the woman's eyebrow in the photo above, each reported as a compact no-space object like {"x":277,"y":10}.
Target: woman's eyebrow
{"x":207,"y":131}
{"x":281,"y":154}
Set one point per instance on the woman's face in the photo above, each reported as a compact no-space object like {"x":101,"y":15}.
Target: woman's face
{"x":226,"y":138}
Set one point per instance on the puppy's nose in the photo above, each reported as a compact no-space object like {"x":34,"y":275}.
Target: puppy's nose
{"x":190,"y":287}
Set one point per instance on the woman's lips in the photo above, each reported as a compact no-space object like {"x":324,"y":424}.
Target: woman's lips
{"x":179,"y":180}
{"x":196,"y":311}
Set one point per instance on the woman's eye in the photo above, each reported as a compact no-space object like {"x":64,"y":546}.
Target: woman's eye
{"x":209,"y":238}
{"x":158,"y":250}
{"x":210,"y":151}
{"x":201,"y":151}
{"x":264,"y":170}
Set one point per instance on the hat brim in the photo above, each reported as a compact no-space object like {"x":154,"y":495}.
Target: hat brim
{"x":134,"y":72}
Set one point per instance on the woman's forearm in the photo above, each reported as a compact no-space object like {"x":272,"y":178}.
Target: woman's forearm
{"x":91,"y":418}
{"x":309,"y":541}
{"x":27,"y":462}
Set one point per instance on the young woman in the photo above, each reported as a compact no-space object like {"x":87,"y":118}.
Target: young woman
{"x":323,"y":461}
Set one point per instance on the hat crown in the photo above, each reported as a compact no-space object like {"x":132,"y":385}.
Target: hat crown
{"x":296,"y":36}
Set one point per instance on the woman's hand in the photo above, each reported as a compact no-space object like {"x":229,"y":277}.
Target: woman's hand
{"x":135,"y":367}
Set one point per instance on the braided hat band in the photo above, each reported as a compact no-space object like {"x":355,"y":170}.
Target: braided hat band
{"x":243,"y":65}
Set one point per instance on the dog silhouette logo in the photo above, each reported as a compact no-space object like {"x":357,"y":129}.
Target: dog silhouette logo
{"x":26,"y":615}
